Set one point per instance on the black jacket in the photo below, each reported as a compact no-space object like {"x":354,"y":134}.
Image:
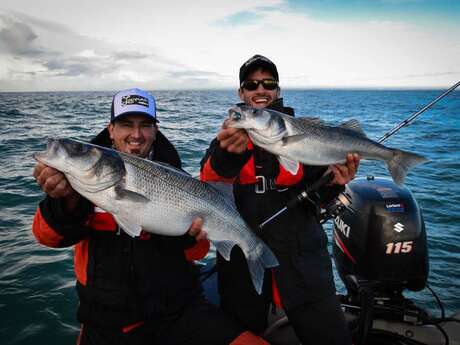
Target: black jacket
{"x":127,"y":279}
{"x":296,"y":237}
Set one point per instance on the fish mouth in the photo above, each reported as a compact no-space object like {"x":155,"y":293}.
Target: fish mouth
{"x":51,"y":149}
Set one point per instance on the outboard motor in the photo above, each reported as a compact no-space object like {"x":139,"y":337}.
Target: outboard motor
{"x":381,"y":237}
{"x":380,"y":249}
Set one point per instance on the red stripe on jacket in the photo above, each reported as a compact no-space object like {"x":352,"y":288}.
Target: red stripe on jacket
{"x":102,"y":221}
{"x":99,"y":221}
{"x":80,"y":260}
{"x":209,"y":175}
{"x":44,"y":233}
{"x":198,"y":251}
{"x":248,"y":173}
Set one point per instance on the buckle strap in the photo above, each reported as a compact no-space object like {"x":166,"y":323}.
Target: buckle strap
{"x":264,"y":184}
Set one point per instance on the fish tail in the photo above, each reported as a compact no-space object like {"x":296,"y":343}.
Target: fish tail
{"x":401,"y":162}
{"x":259,"y":260}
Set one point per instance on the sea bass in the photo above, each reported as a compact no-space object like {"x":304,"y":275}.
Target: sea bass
{"x":310,"y":141}
{"x":157,"y":198}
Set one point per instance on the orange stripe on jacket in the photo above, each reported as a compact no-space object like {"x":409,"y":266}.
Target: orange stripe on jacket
{"x":43,"y":232}
{"x":198,"y":251}
{"x":81,"y":261}
{"x":208,"y":174}
{"x":101,"y":221}
{"x":248,"y":172}
{"x":285,"y":178}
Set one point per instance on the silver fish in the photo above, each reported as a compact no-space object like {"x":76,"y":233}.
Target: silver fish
{"x":157,"y":198}
{"x":310,"y":141}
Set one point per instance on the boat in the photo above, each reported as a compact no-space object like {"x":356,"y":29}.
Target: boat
{"x":380,"y":250}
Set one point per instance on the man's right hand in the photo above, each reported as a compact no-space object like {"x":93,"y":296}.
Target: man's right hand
{"x":233,"y":140}
{"x":55,"y":184}
{"x":52,"y":182}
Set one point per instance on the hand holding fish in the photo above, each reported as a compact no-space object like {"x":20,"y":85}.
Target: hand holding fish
{"x":55,"y":184}
{"x":197,"y":231}
{"x":344,"y":173}
{"x":233,"y":140}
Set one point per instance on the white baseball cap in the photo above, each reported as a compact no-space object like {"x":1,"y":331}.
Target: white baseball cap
{"x":133,"y":101}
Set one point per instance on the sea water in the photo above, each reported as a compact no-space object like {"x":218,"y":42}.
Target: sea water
{"x":37,"y":294}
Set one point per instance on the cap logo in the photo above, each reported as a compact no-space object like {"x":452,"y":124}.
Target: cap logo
{"x":134,"y":99}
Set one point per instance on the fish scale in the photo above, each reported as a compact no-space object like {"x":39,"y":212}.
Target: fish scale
{"x":309,"y":141}
{"x":157,"y":198}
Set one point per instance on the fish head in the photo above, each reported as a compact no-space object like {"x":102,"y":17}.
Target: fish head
{"x":264,"y":126}
{"x":83,"y":163}
{"x":67,"y":155}
{"x":248,"y":118}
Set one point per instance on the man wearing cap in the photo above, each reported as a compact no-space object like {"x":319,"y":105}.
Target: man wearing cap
{"x":303,"y":283}
{"x":142,"y":290}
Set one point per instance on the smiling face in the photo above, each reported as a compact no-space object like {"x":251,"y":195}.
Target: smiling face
{"x":133,"y":134}
{"x":259,"y":98}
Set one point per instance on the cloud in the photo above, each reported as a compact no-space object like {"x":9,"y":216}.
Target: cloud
{"x":194,"y":74}
{"x":130,"y":55}
{"x":33,"y":49}
{"x":80,"y":66}
{"x":21,"y":41}
{"x":206,"y":46}
{"x":17,"y":38}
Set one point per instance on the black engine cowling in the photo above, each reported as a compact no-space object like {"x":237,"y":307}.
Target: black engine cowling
{"x":382,"y":237}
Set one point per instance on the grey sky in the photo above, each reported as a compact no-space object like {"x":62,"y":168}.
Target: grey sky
{"x":107,"y":45}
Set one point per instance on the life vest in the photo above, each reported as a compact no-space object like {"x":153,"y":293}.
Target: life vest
{"x":254,"y":169}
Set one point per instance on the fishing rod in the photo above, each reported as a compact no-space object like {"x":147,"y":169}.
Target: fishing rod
{"x":342,"y":199}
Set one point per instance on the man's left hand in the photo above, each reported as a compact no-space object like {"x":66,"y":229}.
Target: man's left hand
{"x":344,"y":173}
{"x":196,"y":231}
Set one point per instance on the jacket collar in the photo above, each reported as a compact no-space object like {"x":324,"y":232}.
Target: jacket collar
{"x":278,"y":105}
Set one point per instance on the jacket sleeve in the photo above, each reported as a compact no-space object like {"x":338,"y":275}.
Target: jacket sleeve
{"x":220,"y":165}
{"x":52,"y":227}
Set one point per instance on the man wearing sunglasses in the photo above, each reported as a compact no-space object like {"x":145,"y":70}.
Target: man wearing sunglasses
{"x":303,"y":283}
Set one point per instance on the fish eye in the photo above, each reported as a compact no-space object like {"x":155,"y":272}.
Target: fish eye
{"x":79,"y":148}
{"x":235,"y":115}
{"x":76,"y":146}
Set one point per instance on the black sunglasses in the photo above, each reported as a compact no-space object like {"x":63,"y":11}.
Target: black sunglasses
{"x":267,"y":84}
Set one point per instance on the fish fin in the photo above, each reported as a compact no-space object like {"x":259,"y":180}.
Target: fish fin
{"x":128,"y":226}
{"x":401,"y":162}
{"x":224,"y":248}
{"x":289,"y":164}
{"x":226,"y":189}
{"x":258,"y":261}
{"x":126,"y":194}
{"x":354,"y":126}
